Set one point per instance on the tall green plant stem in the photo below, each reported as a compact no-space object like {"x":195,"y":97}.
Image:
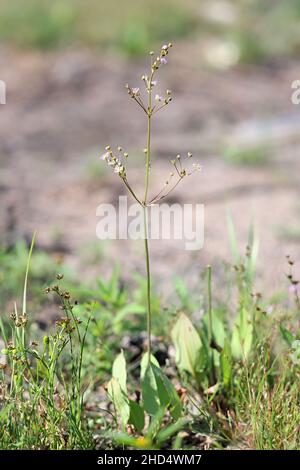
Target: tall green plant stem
{"x":147,"y":257}
{"x":148,"y":272}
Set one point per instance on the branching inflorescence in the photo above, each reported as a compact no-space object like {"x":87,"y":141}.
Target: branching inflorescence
{"x":117,"y":159}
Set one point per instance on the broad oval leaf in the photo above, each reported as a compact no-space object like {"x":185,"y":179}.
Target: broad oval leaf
{"x":119,"y":371}
{"x":119,"y":400}
{"x":117,"y":389}
{"x":157,"y":390}
{"x":149,"y":387}
{"x":187,"y":343}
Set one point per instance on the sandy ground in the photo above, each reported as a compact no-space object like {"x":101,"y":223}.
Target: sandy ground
{"x":63,"y":108}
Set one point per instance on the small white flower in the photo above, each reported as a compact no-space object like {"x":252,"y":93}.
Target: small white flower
{"x":105,"y":156}
{"x":136,"y":91}
{"x":119,"y":169}
{"x":158,"y":98}
{"x":197,"y":167}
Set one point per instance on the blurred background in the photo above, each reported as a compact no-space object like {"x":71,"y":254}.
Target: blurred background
{"x":65,"y":63}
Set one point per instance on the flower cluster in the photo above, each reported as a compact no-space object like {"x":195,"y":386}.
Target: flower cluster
{"x":161,"y":59}
{"x":153,"y":103}
{"x":165,"y":100}
{"x":69,"y":322}
{"x":150,"y":82}
{"x":181,"y":172}
{"x":19,"y":320}
{"x":133,"y":92}
{"x":115,"y":162}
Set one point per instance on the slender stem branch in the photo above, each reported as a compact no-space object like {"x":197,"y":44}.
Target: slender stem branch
{"x":139,"y":102}
{"x":168,"y":192}
{"x":155,"y":110}
{"x":132,"y":192}
{"x":157,"y":195}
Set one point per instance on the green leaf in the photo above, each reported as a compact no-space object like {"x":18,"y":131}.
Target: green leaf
{"x":167,"y":393}
{"x":187,"y":343}
{"x":286,"y":335}
{"x":119,"y":371}
{"x":242,"y":336}
{"x":157,"y":390}
{"x":218,"y":334}
{"x":137,"y":416}
{"x":24,"y":308}
{"x":164,"y":434}
{"x":253,"y":243}
{"x":218,"y":330}
{"x":149,"y":387}
{"x":226,"y":364}
{"x":129,"y":309}
{"x":120,"y":401}
{"x":117,"y":389}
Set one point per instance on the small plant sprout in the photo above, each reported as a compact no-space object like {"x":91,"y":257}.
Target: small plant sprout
{"x":151,"y":105}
